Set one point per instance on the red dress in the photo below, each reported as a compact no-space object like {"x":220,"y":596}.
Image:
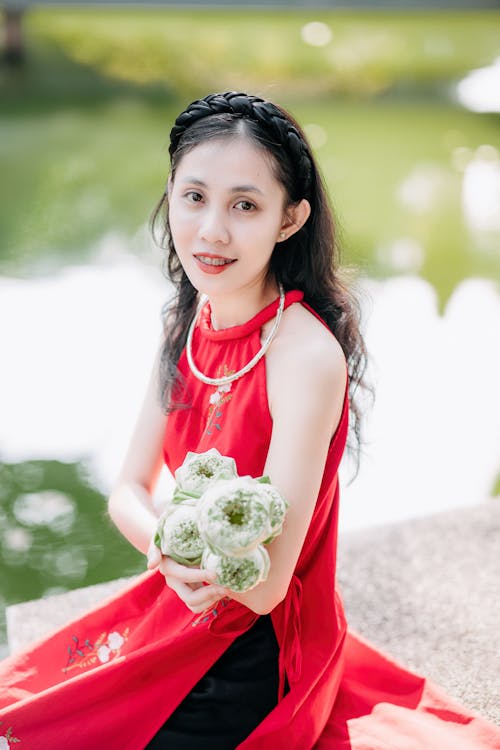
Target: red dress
{"x":112,"y":678}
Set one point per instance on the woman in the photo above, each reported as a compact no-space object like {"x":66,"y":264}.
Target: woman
{"x":246,"y":215}
{"x":261,"y":369}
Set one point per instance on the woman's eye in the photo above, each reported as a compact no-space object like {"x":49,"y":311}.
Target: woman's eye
{"x":245,"y":205}
{"x":194,"y":197}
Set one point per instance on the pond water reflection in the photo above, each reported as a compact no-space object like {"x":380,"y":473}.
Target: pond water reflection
{"x":55,"y":535}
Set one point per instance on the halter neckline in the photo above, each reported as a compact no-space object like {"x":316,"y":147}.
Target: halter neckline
{"x":244,"y":329}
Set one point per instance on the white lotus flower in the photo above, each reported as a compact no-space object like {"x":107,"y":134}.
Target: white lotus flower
{"x":178,"y":535}
{"x":234,"y":515}
{"x":238,"y":573}
{"x":220,"y":521}
{"x":200,"y":470}
{"x":278,"y":507}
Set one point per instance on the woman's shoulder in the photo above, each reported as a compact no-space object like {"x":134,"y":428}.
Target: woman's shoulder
{"x":306,"y":374}
{"x":302,"y":337}
{"x":307,"y":352}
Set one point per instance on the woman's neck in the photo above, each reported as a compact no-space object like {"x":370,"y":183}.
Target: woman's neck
{"x":233,"y":310}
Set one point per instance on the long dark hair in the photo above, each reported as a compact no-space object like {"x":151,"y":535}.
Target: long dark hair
{"x":308,"y":260}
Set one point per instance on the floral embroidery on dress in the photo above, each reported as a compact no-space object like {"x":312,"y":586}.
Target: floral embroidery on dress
{"x":211,"y":612}
{"x":106,"y":647}
{"x":7,"y":739}
{"x":221,"y":395}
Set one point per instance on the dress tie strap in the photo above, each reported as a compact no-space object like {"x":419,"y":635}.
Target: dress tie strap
{"x":290,"y":658}
{"x":231,"y":618}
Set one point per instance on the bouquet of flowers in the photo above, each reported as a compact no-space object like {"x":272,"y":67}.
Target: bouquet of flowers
{"x":221,"y":521}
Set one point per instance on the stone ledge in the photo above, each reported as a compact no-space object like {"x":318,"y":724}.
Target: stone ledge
{"x":29,"y":621}
{"x":427,"y":591}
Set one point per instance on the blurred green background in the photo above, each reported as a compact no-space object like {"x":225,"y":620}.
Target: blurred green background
{"x":83,"y":151}
{"x":85,"y":123}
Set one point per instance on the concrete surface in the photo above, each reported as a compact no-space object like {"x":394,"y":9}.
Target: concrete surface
{"x":427,"y":591}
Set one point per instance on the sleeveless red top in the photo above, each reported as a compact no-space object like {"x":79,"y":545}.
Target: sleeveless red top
{"x":112,"y":678}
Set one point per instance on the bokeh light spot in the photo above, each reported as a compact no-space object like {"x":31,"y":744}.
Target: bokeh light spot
{"x":316,"y":33}
{"x":460,"y":157}
{"x":404,"y":254}
{"x":18,"y":539}
{"x":424,"y":188}
{"x":481,"y":193}
{"x":49,"y":508}
{"x":316,"y":135}
{"x":65,"y":563}
{"x":479,"y":91}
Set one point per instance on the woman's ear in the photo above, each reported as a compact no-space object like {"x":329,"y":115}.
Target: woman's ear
{"x":168,"y":190}
{"x":295,"y":217}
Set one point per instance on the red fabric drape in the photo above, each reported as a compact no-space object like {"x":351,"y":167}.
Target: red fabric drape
{"x":111,"y":678}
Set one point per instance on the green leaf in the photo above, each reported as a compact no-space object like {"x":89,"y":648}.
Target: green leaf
{"x":263,"y":480}
{"x":185,"y":561}
{"x":270,"y":539}
{"x":180,"y":495}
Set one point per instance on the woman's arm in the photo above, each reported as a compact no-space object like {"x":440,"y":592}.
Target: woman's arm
{"x":306,"y":386}
{"x":130,"y":504}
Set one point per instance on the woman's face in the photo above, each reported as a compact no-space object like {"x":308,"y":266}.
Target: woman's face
{"x":226,"y":211}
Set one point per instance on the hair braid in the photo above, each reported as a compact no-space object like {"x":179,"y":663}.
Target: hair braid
{"x":273,"y":121}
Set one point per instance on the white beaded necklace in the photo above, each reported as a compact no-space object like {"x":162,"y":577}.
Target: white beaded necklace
{"x":226,"y":379}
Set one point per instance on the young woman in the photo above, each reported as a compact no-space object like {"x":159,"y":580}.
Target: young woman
{"x":260,"y":352}
{"x":247,"y":224}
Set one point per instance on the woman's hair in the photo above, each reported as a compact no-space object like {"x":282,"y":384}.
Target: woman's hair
{"x":308,"y":260}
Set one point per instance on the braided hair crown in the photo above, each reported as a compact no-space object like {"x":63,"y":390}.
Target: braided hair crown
{"x":277,"y":127}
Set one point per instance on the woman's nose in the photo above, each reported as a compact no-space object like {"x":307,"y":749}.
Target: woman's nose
{"x":213,"y":227}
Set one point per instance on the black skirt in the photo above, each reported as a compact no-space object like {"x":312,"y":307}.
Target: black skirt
{"x":231,"y":699}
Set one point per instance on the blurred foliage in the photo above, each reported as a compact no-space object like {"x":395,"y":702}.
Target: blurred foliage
{"x":190,"y":52}
{"x":84,"y":132}
{"x":70,"y":176}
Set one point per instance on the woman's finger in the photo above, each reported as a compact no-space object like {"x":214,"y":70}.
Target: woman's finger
{"x":198,"y":600}
{"x":194,"y":586}
{"x":192,"y":575}
{"x":203,"y":595}
{"x":153,"y":556}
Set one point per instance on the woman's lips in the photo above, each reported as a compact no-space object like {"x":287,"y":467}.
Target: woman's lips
{"x":213,"y":263}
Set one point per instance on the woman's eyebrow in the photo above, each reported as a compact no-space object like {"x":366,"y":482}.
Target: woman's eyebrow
{"x":194,"y":181}
{"x":235,"y":189}
{"x":246,"y":189}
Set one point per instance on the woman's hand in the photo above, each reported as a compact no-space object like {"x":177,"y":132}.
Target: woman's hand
{"x":188,"y":583}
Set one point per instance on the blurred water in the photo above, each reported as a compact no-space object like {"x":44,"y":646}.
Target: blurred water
{"x":80,"y":346}
{"x":433,"y":436}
